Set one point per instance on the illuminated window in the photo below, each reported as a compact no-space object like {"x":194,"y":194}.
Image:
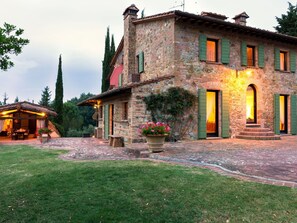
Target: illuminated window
{"x":250,"y":51}
{"x":283,"y":60}
{"x":212,"y":50}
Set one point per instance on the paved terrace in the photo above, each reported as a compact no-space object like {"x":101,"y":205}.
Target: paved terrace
{"x":272,"y":162}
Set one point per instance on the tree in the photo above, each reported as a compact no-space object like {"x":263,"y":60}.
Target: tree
{"x":10,"y":43}
{"x":71,"y":116}
{"x":58,"y":102}
{"x":45,"y":97}
{"x":287,"y":23}
{"x":108,"y":55}
{"x":16,"y":99}
{"x":5,"y":98}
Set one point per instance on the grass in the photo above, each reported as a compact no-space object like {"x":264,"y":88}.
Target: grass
{"x":36,"y":186}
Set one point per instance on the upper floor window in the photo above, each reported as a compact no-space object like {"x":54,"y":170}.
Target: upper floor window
{"x":140,"y":62}
{"x":250,"y":52}
{"x":283,"y":58}
{"x":212,"y":50}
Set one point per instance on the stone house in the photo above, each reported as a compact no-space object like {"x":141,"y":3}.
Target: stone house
{"x":243,"y":77}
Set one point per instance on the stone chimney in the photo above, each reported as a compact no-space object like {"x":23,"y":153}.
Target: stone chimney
{"x":129,"y":14}
{"x":241,"y":18}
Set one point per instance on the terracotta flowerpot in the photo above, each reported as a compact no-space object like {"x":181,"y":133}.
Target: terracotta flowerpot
{"x":155,"y":142}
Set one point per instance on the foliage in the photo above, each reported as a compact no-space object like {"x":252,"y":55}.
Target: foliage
{"x":287,"y":23}
{"x":45,"y":97}
{"x":86,"y":112}
{"x":71,"y":116}
{"x":10,"y":43}
{"x":173,"y":107}
{"x":16,"y":99}
{"x":152,"y":128}
{"x":44,"y":131}
{"x":36,"y":186}
{"x":58,"y":102}
{"x":108,"y":55}
{"x":79,"y":133}
{"x":5,"y":98}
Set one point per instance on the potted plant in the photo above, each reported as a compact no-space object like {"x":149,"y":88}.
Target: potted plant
{"x":44,"y":134}
{"x":155,"y":134}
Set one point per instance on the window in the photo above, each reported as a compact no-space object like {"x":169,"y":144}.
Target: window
{"x":125,"y":111}
{"x":250,"y":52}
{"x":283,"y":58}
{"x":140,"y":62}
{"x":212,"y":50}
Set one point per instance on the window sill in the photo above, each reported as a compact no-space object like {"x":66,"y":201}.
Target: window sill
{"x":285,"y":71}
{"x":214,"y":63}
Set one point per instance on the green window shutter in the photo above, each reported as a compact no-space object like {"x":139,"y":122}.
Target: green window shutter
{"x":276,"y":59}
{"x":261,"y":61}
{"x":141,"y":62}
{"x":202,"y":47}
{"x":106,"y":121}
{"x":276,"y":114}
{"x":201,"y":114}
{"x":225,"y":115}
{"x":243,"y":54}
{"x":225,"y":51}
{"x":120,"y":80}
{"x":292,"y":61}
{"x":294,"y":114}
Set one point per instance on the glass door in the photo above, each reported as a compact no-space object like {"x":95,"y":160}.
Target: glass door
{"x":251,"y":105}
{"x":212,"y":113}
{"x":283,"y":111}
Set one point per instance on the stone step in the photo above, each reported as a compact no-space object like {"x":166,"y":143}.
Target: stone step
{"x":275,"y":137}
{"x":253,"y":125}
{"x":256,"y":130}
{"x":269,"y":133}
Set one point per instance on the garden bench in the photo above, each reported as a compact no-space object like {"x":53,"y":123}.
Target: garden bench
{"x":116,"y":141}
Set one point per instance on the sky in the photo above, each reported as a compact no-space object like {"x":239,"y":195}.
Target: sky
{"x":76,"y":29}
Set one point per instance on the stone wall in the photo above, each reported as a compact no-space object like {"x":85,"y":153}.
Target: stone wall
{"x":193,"y":74}
{"x":156,"y":40}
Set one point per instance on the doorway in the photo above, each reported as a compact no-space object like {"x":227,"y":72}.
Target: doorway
{"x":251,"y":105}
{"x":283,"y":111}
{"x":212,"y":113}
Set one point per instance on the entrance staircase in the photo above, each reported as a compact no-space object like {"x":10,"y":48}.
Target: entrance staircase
{"x":255,"y":132}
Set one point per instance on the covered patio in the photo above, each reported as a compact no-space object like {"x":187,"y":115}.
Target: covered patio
{"x":22,"y":120}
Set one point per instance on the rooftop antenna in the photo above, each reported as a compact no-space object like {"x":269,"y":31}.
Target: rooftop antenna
{"x":182,"y":4}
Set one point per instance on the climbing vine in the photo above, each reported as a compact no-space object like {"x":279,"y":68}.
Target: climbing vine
{"x":173,"y":107}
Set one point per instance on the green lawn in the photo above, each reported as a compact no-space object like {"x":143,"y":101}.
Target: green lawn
{"x":36,"y":186}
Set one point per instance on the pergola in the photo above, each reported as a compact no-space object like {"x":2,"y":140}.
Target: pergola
{"x":24,"y":115}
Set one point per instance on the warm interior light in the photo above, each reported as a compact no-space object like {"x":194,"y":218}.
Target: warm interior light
{"x":250,"y":100}
{"x":282,"y":113}
{"x":211,"y":112}
{"x":8,"y":112}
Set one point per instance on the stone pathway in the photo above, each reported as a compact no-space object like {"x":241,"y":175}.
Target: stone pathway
{"x":273,"y":162}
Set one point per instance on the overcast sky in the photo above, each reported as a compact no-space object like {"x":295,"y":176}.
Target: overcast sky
{"x":76,"y":29}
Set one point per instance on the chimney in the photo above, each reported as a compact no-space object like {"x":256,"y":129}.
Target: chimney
{"x":132,"y":11}
{"x":241,"y":18}
{"x":129,"y":49}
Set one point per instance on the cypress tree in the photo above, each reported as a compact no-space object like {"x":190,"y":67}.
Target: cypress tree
{"x":108,"y":55}
{"x":58,"y":102}
{"x":105,"y":64}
